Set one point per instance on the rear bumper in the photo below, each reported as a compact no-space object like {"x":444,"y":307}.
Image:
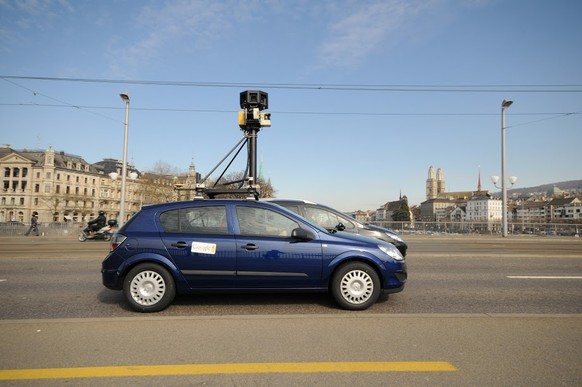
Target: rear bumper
{"x":111,"y":279}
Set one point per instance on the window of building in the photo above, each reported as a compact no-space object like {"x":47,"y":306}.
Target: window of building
{"x":16,"y":172}
{"x":21,"y":201}
{"x":48,"y":175}
{"x":47,"y":188}
{"x":37,"y":188}
{"x":36,"y":201}
{"x":24,"y":172}
{"x":58,"y":189}
{"x":6,"y":172}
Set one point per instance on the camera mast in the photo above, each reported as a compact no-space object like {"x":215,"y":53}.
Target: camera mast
{"x":250,"y":119}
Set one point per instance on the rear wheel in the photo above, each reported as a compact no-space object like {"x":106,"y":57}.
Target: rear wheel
{"x":149,"y":287}
{"x":355,"y":286}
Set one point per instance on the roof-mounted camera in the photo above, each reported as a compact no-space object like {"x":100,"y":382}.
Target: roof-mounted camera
{"x":251,"y":99}
{"x":251,"y":119}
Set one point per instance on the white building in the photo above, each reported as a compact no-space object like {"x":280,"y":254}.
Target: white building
{"x":483,"y":209}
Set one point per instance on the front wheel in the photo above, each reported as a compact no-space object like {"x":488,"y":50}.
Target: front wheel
{"x":149,"y":287}
{"x":82,"y":237}
{"x":355,"y":286}
{"x":107,"y":237}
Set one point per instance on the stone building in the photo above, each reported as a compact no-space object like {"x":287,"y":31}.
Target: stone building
{"x":61,"y":187}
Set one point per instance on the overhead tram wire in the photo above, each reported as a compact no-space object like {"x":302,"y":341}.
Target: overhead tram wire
{"x":470,"y":88}
{"x":351,"y":87}
{"x":171,"y":110}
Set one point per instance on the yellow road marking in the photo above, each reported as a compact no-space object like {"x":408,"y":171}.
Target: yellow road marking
{"x":235,"y":368}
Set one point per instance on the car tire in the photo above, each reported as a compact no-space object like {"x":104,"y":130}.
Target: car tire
{"x":355,"y":286}
{"x":149,"y":287}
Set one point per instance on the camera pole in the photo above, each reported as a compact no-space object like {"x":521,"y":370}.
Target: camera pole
{"x":251,"y":119}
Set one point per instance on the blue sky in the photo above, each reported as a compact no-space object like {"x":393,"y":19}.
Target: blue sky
{"x":365,"y":95}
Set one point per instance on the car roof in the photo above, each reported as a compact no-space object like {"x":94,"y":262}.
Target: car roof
{"x":277,"y":200}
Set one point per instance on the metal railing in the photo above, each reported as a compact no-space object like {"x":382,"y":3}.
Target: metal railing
{"x":486,"y":228}
{"x":48,"y":229}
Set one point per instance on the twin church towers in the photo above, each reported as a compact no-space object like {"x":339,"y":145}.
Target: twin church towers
{"x":435,"y":184}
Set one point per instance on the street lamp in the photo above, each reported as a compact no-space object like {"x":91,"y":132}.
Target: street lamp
{"x":504,"y":105}
{"x":125,"y":98}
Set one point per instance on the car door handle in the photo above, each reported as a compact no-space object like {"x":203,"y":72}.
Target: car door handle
{"x":249,"y":246}
{"x":180,"y":245}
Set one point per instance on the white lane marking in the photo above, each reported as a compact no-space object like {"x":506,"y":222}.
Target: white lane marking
{"x":544,"y":277}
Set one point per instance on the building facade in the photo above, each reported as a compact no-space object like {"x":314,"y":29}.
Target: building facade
{"x":61,"y":187}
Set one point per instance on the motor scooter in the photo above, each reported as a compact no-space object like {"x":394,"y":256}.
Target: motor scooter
{"x":103,"y":234}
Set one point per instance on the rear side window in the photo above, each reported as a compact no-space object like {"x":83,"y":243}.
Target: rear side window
{"x":195,"y":220}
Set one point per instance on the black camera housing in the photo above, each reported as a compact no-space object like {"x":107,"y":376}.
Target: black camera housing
{"x":251,"y":99}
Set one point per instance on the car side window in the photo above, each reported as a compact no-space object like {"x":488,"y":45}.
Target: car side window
{"x":264,"y":222}
{"x":195,"y":220}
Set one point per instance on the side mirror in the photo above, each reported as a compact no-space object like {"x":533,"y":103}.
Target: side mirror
{"x":302,"y":234}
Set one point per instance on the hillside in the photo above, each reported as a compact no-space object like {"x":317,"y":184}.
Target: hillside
{"x":572,"y":186}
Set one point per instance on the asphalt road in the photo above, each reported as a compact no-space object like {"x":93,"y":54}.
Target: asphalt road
{"x":492,"y":311}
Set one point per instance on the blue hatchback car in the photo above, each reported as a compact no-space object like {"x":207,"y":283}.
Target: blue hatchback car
{"x":230,"y":245}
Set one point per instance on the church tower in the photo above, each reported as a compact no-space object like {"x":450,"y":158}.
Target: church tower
{"x":431,"y":184}
{"x":440,"y":182}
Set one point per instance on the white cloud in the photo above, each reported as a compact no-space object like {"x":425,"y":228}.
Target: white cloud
{"x":366,"y":28}
{"x":197,"y":22}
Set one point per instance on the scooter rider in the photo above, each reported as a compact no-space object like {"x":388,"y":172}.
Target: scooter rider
{"x":97,"y":223}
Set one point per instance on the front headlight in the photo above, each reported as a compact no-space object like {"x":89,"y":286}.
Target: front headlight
{"x":392,"y":252}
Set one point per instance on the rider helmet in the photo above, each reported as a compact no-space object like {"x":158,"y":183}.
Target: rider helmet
{"x":101,"y":212}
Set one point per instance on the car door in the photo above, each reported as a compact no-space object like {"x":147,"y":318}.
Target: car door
{"x":201,"y":246}
{"x":268,"y":257}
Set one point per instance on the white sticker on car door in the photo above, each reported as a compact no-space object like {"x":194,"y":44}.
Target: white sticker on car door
{"x":203,"y":248}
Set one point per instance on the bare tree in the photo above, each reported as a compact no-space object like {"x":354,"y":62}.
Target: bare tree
{"x":236,"y":180}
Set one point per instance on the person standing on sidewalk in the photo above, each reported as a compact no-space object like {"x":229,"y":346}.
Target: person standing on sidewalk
{"x":33,"y":224}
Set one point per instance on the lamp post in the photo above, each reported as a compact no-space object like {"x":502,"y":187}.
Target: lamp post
{"x":504,"y":105}
{"x":512,"y":180}
{"x":125,"y":98}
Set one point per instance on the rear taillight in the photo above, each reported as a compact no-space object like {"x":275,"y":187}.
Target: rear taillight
{"x":116,"y":240}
